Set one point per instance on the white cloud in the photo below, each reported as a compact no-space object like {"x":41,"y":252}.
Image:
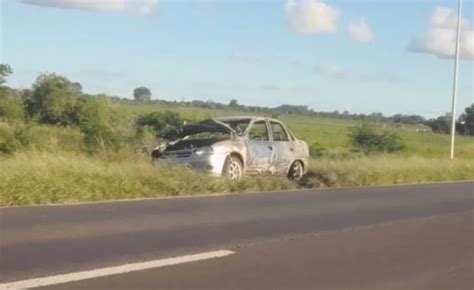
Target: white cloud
{"x":145,"y":7}
{"x":360,"y":31}
{"x":140,"y":7}
{"x":248,"y":57}
{"x":311,"y":16}
{"x":337,"y":72}
{"x":440,"y":37}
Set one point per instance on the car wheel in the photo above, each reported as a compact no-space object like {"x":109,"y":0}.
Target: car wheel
{"x":233,"y":168}
{"x":296,"y":171}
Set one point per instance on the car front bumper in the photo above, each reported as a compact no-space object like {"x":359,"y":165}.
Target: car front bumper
{"x":212,"y":164}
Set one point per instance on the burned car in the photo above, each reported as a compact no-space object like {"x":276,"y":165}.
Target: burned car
{"x":236,"y":146}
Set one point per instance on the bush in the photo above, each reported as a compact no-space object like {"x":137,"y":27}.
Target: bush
{"x":100,"y":137}
{"x":93,"y":115}
{"x":365,"y":138}
{"x":316,"y":150}
{"x":14,"y":137}
{"x":11,"y":105}
{"x":92,"y":109}
{"x":160,"y":122}
{"x":18,"y":136}
{"x":440,"y":125}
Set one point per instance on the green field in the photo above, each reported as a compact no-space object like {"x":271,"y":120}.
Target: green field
{"x":332,"y":133}
{"x":54,"y":167}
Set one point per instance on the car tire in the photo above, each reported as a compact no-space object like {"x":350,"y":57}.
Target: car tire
{"x":233,"y":168}
{"x":296,"y":171}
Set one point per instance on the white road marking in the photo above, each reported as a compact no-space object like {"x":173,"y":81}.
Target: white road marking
{"x":102,"y":272}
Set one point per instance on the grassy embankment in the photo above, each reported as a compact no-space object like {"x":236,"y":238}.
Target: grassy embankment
{"x":54,"y":168}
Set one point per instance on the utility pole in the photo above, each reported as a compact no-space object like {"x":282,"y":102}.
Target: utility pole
{"x":455,"y":81}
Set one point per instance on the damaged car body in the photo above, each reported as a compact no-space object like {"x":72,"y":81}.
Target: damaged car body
{"x":236,"y":146}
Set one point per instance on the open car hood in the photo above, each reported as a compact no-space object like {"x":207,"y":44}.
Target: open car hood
{"x":206,"y":126}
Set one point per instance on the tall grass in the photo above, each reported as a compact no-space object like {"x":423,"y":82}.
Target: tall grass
{"x":43,"y":177}
{"x":389,"y":169}
{"x":38,"y":177}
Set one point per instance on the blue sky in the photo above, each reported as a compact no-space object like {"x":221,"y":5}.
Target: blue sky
{"x":362,"y":56}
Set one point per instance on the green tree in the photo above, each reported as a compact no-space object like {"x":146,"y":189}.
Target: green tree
{"x":142,"y":94}
{"x":5,"y":71}
{"x":468,"y":119}
{"x":11,"y":101}
{"x":440,"y":124}
{"x":233,"y":104}
{"x":52,"y":99}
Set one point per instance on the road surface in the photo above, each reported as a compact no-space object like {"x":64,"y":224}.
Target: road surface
{"x":398,"y":237}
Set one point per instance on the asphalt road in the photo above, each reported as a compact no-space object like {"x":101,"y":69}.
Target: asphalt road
{"x":410,"y":237}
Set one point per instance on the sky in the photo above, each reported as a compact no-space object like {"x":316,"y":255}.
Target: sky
{"x":359,"y":55}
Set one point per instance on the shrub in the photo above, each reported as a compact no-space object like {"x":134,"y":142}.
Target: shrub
{"x":100,"y":137}
{"x":440,"y":125}
{"x":14,"y":137}
{"x":316,"y":150}
{"x":159,"y":121}
{"x":11,"y":105}
{"x":93,"y":115}
{"x":91,"y":109}
{"x":365,"y":138}
{"x":18,"y":136}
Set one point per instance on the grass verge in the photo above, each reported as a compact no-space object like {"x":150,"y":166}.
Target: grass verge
{"x":46,"y":178}
{"x":388,"y":169}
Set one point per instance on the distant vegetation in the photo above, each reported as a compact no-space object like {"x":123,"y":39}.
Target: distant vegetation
{"x":142,"y":94}
{"x":159,"y":122}
{"x":68,"y":89}
{"x":59,"y":144}
{"x":464,"y":125}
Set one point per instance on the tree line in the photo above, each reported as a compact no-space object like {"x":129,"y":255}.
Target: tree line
{"x":54,"y":99}
{"x":441,"y":124}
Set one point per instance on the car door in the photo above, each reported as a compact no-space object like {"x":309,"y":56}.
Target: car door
{"x":260,"y":148}
{"x":283,"y":147}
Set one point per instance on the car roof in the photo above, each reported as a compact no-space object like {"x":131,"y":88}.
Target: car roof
{"x":251,"y":118}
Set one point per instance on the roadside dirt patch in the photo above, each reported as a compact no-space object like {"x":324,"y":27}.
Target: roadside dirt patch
{"x":317,"y":179}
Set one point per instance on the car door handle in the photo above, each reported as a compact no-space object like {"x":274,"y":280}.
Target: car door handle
{"x":270,"y":147}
